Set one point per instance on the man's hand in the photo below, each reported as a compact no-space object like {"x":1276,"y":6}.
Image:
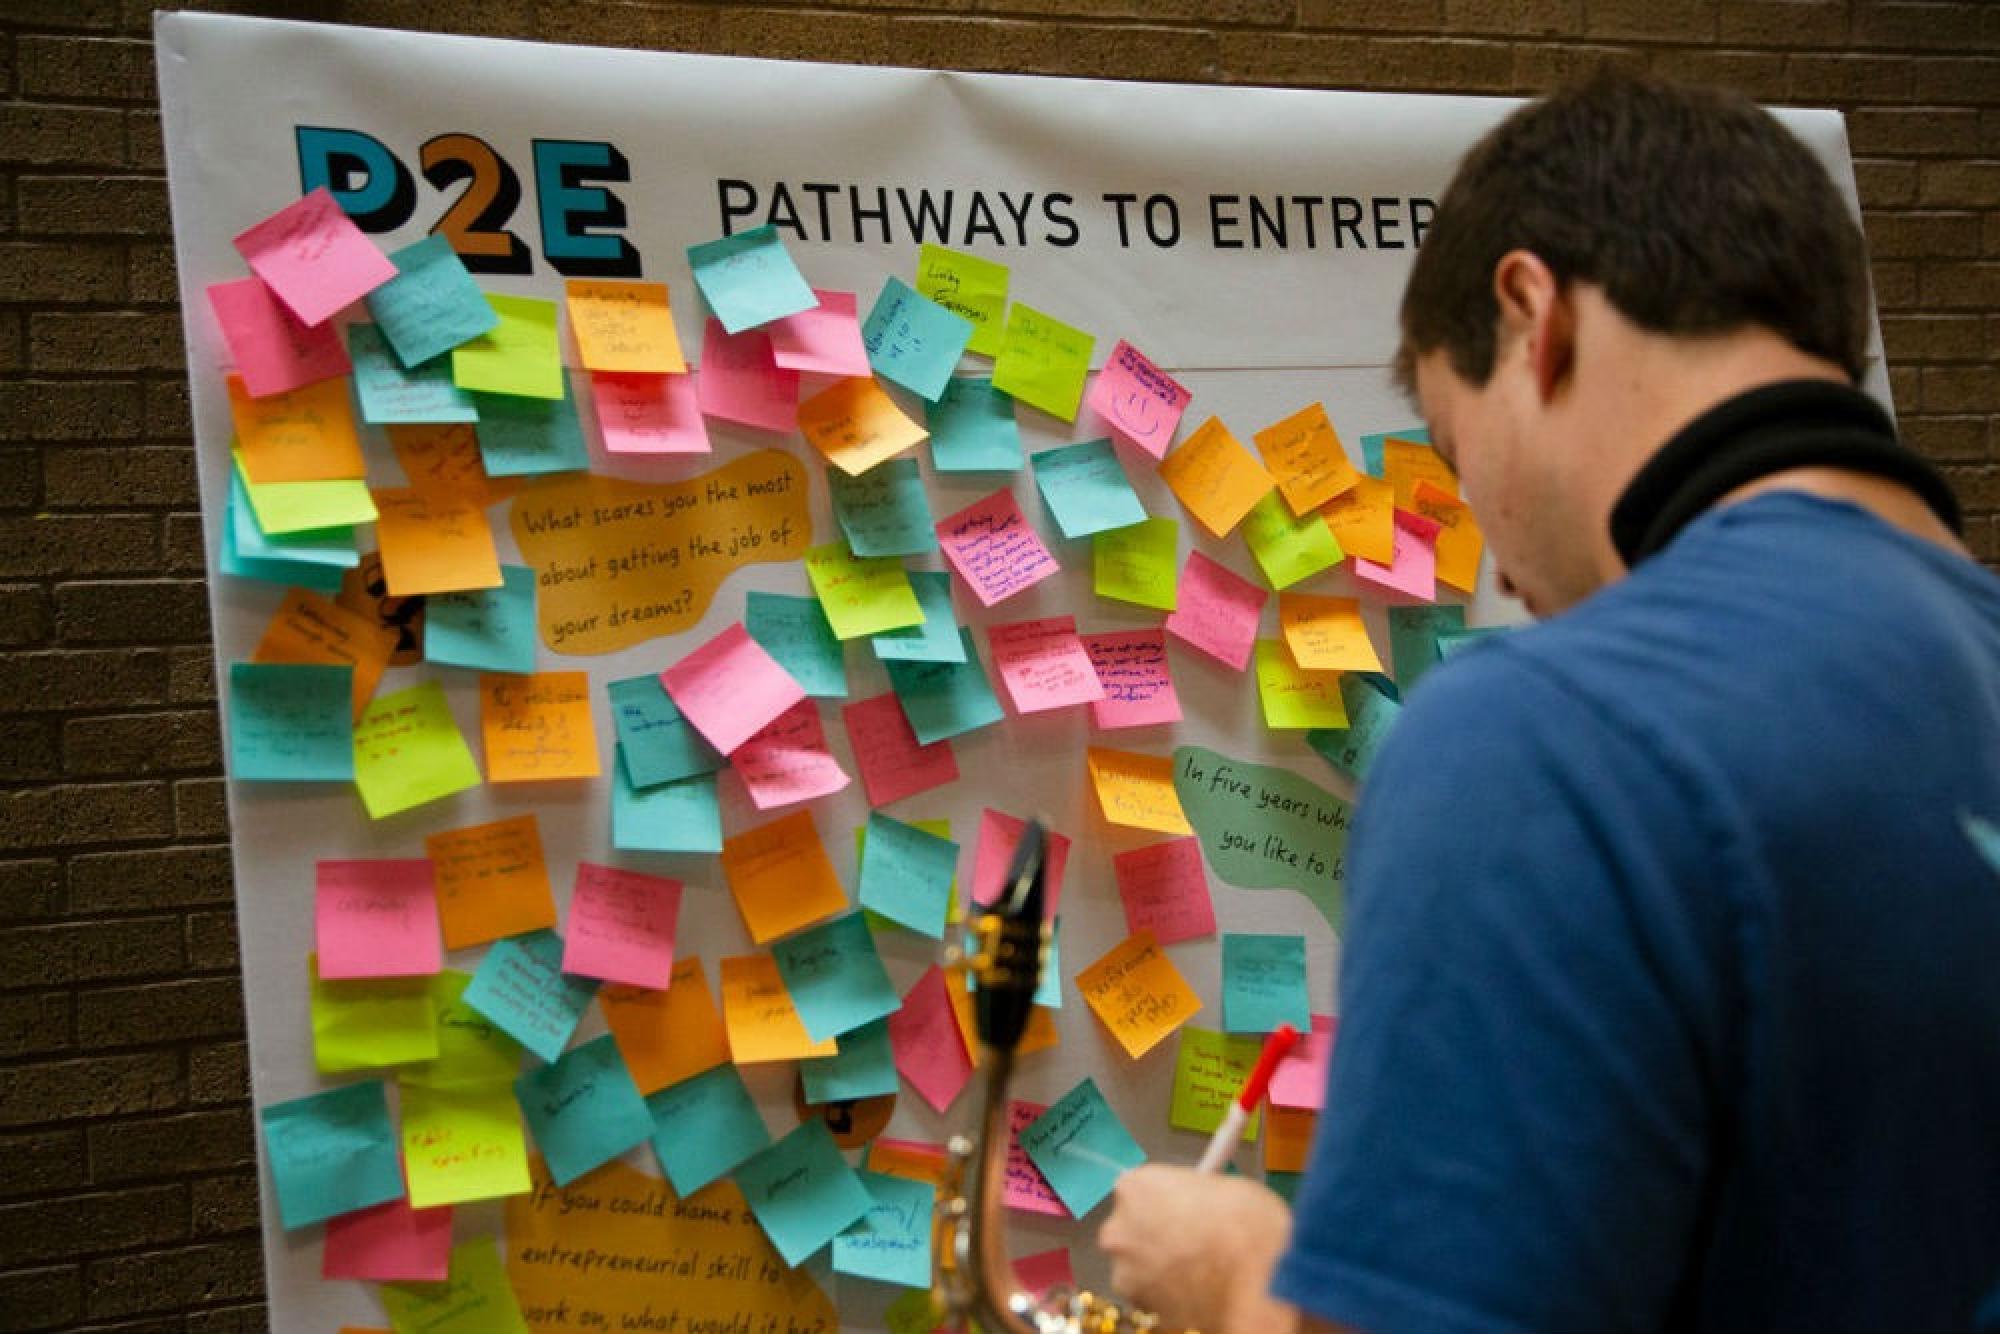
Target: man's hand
{"x":1198,"y":1249}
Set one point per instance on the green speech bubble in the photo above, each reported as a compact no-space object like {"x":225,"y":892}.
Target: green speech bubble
{"x":1266,"y":828}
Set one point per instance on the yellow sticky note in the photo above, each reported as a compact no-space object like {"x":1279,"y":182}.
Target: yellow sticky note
{"x":492,"y":881}
{"x":667,"y":1036}
{"x":364,"y":1022}
{"x":1326,"y":634}
{"x":1363,"y":520}
{"x":1288,"y":1137}
{"x":471,"y":1047}
{"x":971,"y":288}
{"x":1216,"y":478}
{"x":300,"y":507}
{"x":462,"y":1143}
{"x":1407,"y":462}
{"x":1293,"y":696}
{"x":1137,"y":993}
{"x":519,"y":355}
{"x":302,"y":435}
{"x":308,"y":628}
{"x":434,"y":542}
{"x":1460,"y":544}
{"x":1138,"y":563}
{"x":1137,"y":791}
{"x":857,"y":425}
{"x":763,"y":1023}
{"x":1043,"y":362}
{"x":781,"y":877}
{"x":624,"y":326}
{"x":408,"y":750}
{"x":861,"y":595}
{"x":1306,"y":458}
{"x":537,"y":726}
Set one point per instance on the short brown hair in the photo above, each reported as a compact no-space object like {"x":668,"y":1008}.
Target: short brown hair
{"x":1692,"y":208}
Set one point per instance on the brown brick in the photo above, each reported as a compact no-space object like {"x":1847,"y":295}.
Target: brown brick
{"x":1948,"y":79}
{"x":1513,"y":18}
{"x":1977,"y":485}
{"x":1922,"y":235}
{"x":30,"y":889}
{"x":141,"y":743}
{"x":24,"y":615}
{"x":226,"y":1205}
{"x":1933,"y":337}
{"x":1904,"y":386}
{"x":190,"y":676}
{"x":41,"y":1162}
{"x":1946,"y":439}
{"x":1758,"y":74}
{"x":861,"y":39}
{"x":20,"y":478}
{"x":107,"y":341}
{"x":218,"y":1073}
{"x":60,"y":1228}
{"x":201,"y":808}
{"x":65,"y":14}
{"x":1890,"y":25}
{"x":69,"y":136}
{"x":1961,"y":388}
{"x":156,"y":878}
{"x":36,"y":1023}
{"x":71,"y":952}
{"x":1039,"y":48}
{"x":74,"y":814}
{"x":1209,"y":13}
{"x":1367,"y":62}
{"x":1541,"y":67}
{"x":186,"y":547}
{"x":81,"y":679}
{"x":501,"y":18}
{"x":1846,"y":80}
{"x":118,"y":478}
{"x":166,"y":409}
{"x":1895,"y":283}
{"x":167,"y":1280}
{"x":90,"y":68}
{"x":171,"y":1146}
{"x":620,"y":23}
{"x":155,"y":611}
{"x":250,"y":1319}
{"x":1913,"y":131}
{"x":92,"y":206}
{"x":61,"y":271}
{"x":145,"y":145}
{"x":55,"y":1092}
{"x":1375,"y":15}
{"x":42,"y":1298}
{"x":68,"y":410}
{"x":1960,"y":184}
{"x":67,"y":544}
{"x":1962,"y":285}
{"x":1990,"y":238}
{"x":205,"y":1007}
{"x":1650,"y":20}
{"x":1885,"y":182}
{"x":150,"y":273}
{"x":1784,"y":23}
{"x":28,"y":750}
{"x":212,"y":943}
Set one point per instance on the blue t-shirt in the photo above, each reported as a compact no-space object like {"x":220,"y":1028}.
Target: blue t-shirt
{"x":1671,"y":989}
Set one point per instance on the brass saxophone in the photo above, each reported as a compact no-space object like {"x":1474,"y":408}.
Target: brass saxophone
{"x":973,"y":1284}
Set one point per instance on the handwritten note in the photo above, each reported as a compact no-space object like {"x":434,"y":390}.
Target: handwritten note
{"x":781,"y":877}
{"x":1216,"y":477}
{"x":835,"y":976}
{"x":471,"y":1051}
{"x":301,"y":435}
{"x":520,"y":986}
{"x":893,"y":764}
{"x":530,"y":437}
{"x":681,"y":816}
{"x":1209,"y":1070}
{"x":730,"y":688}
{"x":583,"y":1109}
{"x":1218,"y":611}
{"x":1263,"y":982}
{"x":906,"y":874}
{"x":283,"y":508}
{"x":389,"y":1242}
{"x":475,"y":1299}
{"x":331,"y":1153}
{"x":537,"y":727}
{"x":492,"y":881}
{"x":802,"y":1191}
{"x":518,"y":355}
{"x":366,"y":1022}
{"x":1370,"y":716}
{"x":1025,"y":1187}
{"x":1413,"y":572}
{"x":999,"y":834}
{"x":291,"y":722}
{"x":1408,"y":460}
{"x":1374,"y":443}
{"x":857,"y":425}
{"x":1288,"y":548}
{"x":924,"y":1032}
{"x":488,"y":629}
{"x":884,"y":511}
{"x":376,"y":918}
{"x":649,"y":414}
{"x":1137,"y":993}
{"x":1459,"y":543}
{"x":994,"y":549}
{"x":1164,"y":890}
{"x":314,"y":257}
{"x":1137,"y":791}
{"x":913,"y":341}
{"x":432,"y":304}
{"x":434,"y":543}
{"x":1084,"y":488}
{"x":463,"y":1143}
{"x":1266,"y":827}
{"x":937,"y":639}
{"x":1306,"y":459}
{"x":658,"y":743}
{"x":1043,"y":664}
{"x":621,"y":926}
{"x":1416,"y":636}
{"x":1141,"y":402}
{"x":892,"y":1241}
{"x":795,"y":632}
{"x":971,"y":288}
{"x":1136,"y":563}
{"x":1081,"y":1147}
{"x":271,"y":349}
{"x":408,"y":751}
{"x":973,"y":428}
{"x":749,"y":278}
{"x":1300,"y":1079}
{"x":704,"y":1127}
{"x":760,"y":1017}
{"x":392,"y":394}
{"x":1131,"y":666}
{"x":667,"y":1036}
{"x":1295,"y":697}
{"x":945,"y":699}
{"x":444,"y":456}
{"x":741,"y":381}
{"x":788,"y":760}
{"x":1363,"y":519}
{"x":623,"y":327}
{"x":861,"y":596}
{"x":1326,"y":634}
{"x":825,"y":340}
{"x":1042,"y":361}
{"x":864,"y":1067}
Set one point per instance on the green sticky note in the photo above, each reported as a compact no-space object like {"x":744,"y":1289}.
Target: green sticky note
{"x":332,"y":1153}
{"x":1081,"y":1147}
{"x":655,"y":742}
{"x":298,"y":507}
{"x":704,"y":1127}
{"x":1295,"y":697}
{"x":680,"y":816}
{"x":971,"y":288}
{"x":973,"y":429}
{"x":1413,"y":639}
{"x":471,"y":1049}
{"x":489,"y":629}
{"x":366,"y":1022}
{"x":408,"y":750}
{"x":1139,"y":563}
{"x":316,"y":546}
{"x":795,"y":632}
{"x":907,"y":874}
{"x":864,"y":1067}
{"x":522,"y":437}
{"x":1288,"y":547}
{"x":1042,"y":361}
{"x":913,"y":341}
{"x":861,"y":596}
{"x":884,"y":511}
{"x":392,"y":394}
{"x":749,"y":279}
{"x":1264,"y":983}
{"x":1209,"y":1071}
{"x":432,"y":304}
{"x":475,"y":1299}
{"x":937,"y":639}
{"x":1084,"y":488}
{"x":892,"y":1242}
{"x":835,"y":976}
{"x":291,"y":722}
{"x":1372,"y":451}
{"x":463,"y":1142}
{"x":945,"y":699}
{"x":519,"y":355}
{"x":583,"y":1110}
{"x":1262,"y":827}
{"x":1370,"y":715}
{"x":802,"y":1191}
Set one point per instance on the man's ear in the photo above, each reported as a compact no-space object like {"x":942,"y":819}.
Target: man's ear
{"x":1535,"y":308}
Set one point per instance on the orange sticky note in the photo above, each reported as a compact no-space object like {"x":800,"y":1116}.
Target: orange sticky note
{"x":763,"y":1023}
{"x":302,"y":435}
{"x":667,"y":1036}
{"x":1460,"y":544}
{"x":443,"y":458}
{"x":1137,"y":993}
{"x":1216,"y":478}
{"x":1363,"y":519}
{"x":1326,"y":634}
{"x":1306,"y":458}
{"x":857,"y":425}
{"x":1288,"y":1137}
{"x":1040,"y":1032}
{"x":623,"y":326}
{"x":434,"y":542}
{"x":1407,"y":462}
{"x":537,"y":726}
{"x":1137,"y":791}
{"x":309,"y":628}
{"x":781,"y":877}
{"x":911,"y":1159}
{"x":492,"y":881}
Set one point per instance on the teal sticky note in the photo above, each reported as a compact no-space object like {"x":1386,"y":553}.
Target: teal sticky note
{"x":1285,"y":1184}
{"x":332,"y":1153}
{"x":703,"y":1127}
{"x":802,"y":1191}
{"x":865,"y":1067}
{"x":906,"y":874}
{"x":1451,"y":643}
{"x":1048,"y":980}
{"x":749,"y":279}
{"x":291,"y":722}
{"x":333,"y":547}
{"x":835,"y":976}
{"x":657,"y":743}
{"x":520,"y":435}
{"x":521,"y":987}
{"x":1264,"y":983}
{"x":1080,"y":1146}
{"x":583,"y":1110}
{"x":1413,"y":639}
{"x":892,"y":1241}
{"x":884,"y":511}
{"x":973,"y":428}
{"x":681,"y":816}
{"x":1372,"y":451}
{"x":432,"y":304}
{"x":945,"y":699}
{"x":912,"y":340}
{"x":795,"y":631}
{"x":391,"y":393}
{"x":937,"y":639}
{"x":1370,"y":715}
{"x":491,"y":629}
{"x":305,"y":574}
{"x":1084,"y":488}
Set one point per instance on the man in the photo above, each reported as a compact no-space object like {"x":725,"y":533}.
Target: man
{"x":1671,"y":991}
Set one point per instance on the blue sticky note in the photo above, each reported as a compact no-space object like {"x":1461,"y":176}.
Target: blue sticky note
{"x":521,"y":435}
{"x":1264,"y":983}
{"x":1370,"y":715}
{"x":316,"y":546}
{"x":912,"y":340}
{"x":884,"y":511}
{"x":1081,"y":1147}
{"x":302,"y":573}
{"x":583,"y":1110}
{"x":492,"y":629}
{"x":681,"y":816}
{"x":703,"y":1127}
{"x":291,"y":722}
{"x":332,"y":1153}
{"x":432,"y":304}
{"x":835,"y":976}
{"x":1372,"y":451}
{"x":1413,"y":639}
{"x":802,"y":1191}
{"x":937,"y":639}
{"x":1085,"y":490}
{"x":521,"y":987}
{"x":749,"y":279}
{"x":1985,"y":836}
{"x":865,"y":1067}
{"x":973,"y":428}
{"x":945,"y":699}
{"x":657,"y":743}
{"x":391,"y":393}
{"x":795,"y":631}
{"x":906,"y":874}
{"x":892,"y":1242}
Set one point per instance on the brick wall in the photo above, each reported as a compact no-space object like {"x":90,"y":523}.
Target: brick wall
{"x":127,"y":1191}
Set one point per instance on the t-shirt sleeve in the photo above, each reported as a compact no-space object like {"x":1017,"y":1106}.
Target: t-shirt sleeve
{"x":1533,"y":1002}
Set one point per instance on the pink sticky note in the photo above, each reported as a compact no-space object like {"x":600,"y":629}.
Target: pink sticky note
{"x":1043,"y":664}
{"x":389,"y":1243}
{"x":1027,"y":1189}
{"x":1218,"y":611}
{"x":314,"y":258}
{"x":273,"y":352}
{"x":893,"y":765}
{"x":621,"y":926}
{"x":994,"y":548}
{"x":648,"y":414}
{"x":1132,"y":667}
{"x":924,"y":1035}
{"x":1140,"y":402}
{"x":739,"y":382}
{"x":1300,"y":1079}
{"x":787,"y":761}
{"x":730,"y":688}
{"x":1413,"y":573}
{"x":825,"y":340}
{"x":998,"y":835}
{"x":377,"y":918}
{"x":1165,"y":890}
{"x":1045,"y":1270}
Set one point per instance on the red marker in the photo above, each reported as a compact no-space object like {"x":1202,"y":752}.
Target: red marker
{"x":1223,"y":1142}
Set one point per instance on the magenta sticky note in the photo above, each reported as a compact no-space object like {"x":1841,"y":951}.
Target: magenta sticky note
{"x":730,"y":688}
{"x":924,"y":1035}
{"x":825,"y":340}
{"x":376,"y":918}
{"x":1140,"y":402}
{"x":621,"y":926}
{"x":739,"y":382}
{"x":389,"y":1243}
{"x":648,"y":414}
{"x":1218,"y":611}
{"x":1138,"y":683}
{"x":314,"y":258}
{"x":999,"y":833}
{"x":1043,"y":1270}
{"x":1027,"y":1189}
{"x":271,"y":349}
{"x":1164,"y":888}
{"x":1043,"y":664}
{"x":787,"y":761}
{"x":1413,"y":572}
{"x":994,"y":548}
{"x":892,"y":762}
{"x":1300,"y":1079}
